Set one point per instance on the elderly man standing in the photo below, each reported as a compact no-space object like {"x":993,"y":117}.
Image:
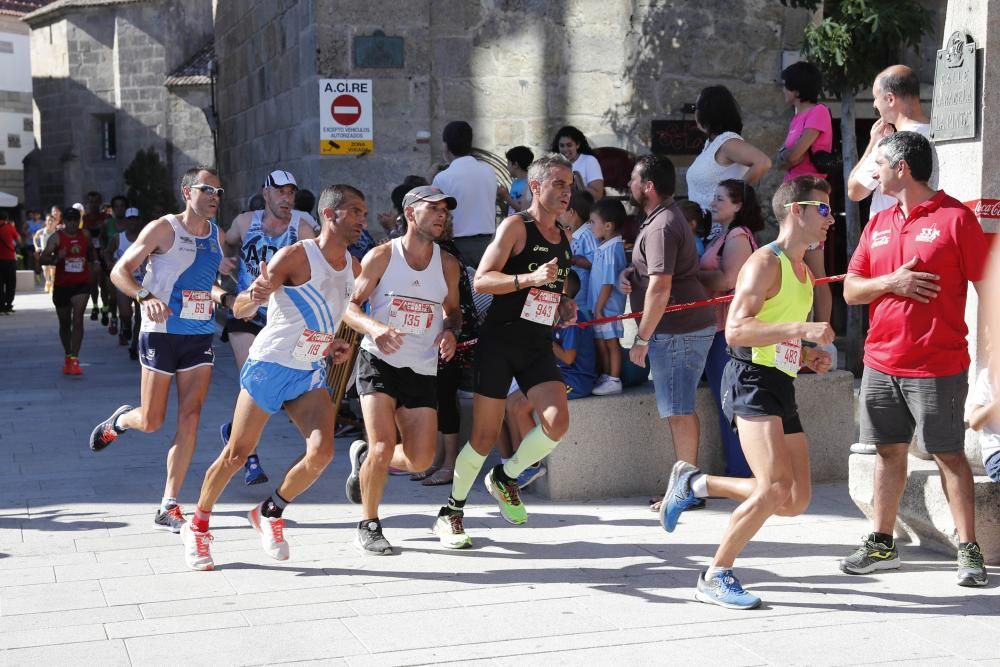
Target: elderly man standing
{"x":913,"y":265}
{"x":473,"y":184}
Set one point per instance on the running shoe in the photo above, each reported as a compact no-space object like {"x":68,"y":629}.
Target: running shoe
{"x":124,"y":338}
{"x":171,"y":519}
{"x":113,"y":326}
{"x":678,"y":496}
{"x":971,"y":566}
{"x":451,"y":530}
{"x":224,"y":432}
{"x":530,"y":475}
{"x":197,"y":548}
{"x":610,"y":385}
{"x":253,"y":473}
{"x":724,"y":589}
{"x":357,"y":455}
{"x":508,"y":497}
{"x":105,"y":433}
{"x":68,"y":365}
{"x":93,"y":314}
{"x":271,"y":531}
{"x":105,"y":318}
{"x":371,"y":541}
{"x":74,"y":366}
{"x":871,"y":556}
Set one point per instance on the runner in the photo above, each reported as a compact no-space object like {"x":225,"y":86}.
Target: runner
{"x":257,"y":236}
{"x":131,"y":317}
{"x":93,"y":223}
{"x":184,"y":253}
{"x":113,"y":226}
{"x":306,"y":286}
{"x":765,"y":329}
{"x":409,"y":283}
{"x":524,"y":267}
{"x":70,"y":251}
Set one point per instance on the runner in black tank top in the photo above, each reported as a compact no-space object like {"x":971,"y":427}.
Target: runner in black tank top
{"x":524,"y":269}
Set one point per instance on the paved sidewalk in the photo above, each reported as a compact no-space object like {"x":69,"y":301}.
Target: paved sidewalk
{"x":84,"y":578}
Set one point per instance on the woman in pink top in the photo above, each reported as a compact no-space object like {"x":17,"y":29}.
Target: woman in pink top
{"x":811,"y":128}
{"x":735,"y":206}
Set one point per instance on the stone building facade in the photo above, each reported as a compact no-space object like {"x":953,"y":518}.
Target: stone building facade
{"x":100,"y":70}
{"x":16,"y":122}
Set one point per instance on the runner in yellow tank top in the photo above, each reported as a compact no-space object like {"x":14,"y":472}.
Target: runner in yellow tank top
{"x":765,"y":330}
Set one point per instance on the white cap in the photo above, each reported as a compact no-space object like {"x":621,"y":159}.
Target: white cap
{"x":279,"y":178}
{"x":78,"y":206}
{"x":132,"y":213}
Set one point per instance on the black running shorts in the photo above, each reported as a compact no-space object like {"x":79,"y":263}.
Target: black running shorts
{"x":750,"y":390}
{"x":509,"y":351}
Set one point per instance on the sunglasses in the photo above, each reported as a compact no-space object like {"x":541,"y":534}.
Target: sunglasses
{"x":823,"y":208}
{"x":209,"y":190}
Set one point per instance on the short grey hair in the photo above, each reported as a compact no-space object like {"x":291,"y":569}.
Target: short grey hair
{"x":541,"y":169}
{"x":333,"y":195}
{"x":912,"y":147}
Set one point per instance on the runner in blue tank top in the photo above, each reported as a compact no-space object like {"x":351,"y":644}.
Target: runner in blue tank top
{"x":177,"y":297}
{"x":255,"y":237}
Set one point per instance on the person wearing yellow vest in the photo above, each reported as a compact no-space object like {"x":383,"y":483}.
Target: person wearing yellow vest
{"x":769,"y":340}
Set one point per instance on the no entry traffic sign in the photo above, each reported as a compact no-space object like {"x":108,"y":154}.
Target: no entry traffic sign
{"x":345,"y":108}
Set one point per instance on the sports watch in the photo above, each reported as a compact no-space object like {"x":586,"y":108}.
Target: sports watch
{"x":142,"y":295}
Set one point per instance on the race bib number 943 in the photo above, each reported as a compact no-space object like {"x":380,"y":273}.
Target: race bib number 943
{"x":541,"y":307}
{"x":196,"y":305}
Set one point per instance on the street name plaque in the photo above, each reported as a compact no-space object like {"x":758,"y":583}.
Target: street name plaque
{"x":954,"y":112}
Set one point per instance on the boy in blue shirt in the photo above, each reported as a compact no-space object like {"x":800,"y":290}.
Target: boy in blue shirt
{"x":519,"y":197}
{"x":574,"y":349}
{"x":607,"y":217}
{"x":582,"y":243}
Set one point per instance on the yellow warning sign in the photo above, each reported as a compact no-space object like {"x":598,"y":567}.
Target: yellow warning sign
{"x":346,"y":147}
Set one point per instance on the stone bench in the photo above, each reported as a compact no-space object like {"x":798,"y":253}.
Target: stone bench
{"x":618,"y":445}
{"x":25,"y":281}
{"x":924,"y":516}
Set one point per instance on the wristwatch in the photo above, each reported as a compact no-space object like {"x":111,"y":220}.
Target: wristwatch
{"x":142,"y":295}
{"x":641,"y":342}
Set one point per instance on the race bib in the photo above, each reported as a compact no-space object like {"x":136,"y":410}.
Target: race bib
{"x":412,"y":317}
{"x":74,"y":264}
{"x":788,"y":356}
{"x":312,"y":345}
{"x":541,"y":307}
{"x":196,"y":305}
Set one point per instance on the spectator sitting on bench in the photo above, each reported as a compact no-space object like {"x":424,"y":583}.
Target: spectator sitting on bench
{"x":981,"y":416}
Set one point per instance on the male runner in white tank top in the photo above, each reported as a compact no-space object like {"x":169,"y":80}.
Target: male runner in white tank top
{"x":253,"y":238}
{"x":413,"y":289}
{"x":306,"y":287}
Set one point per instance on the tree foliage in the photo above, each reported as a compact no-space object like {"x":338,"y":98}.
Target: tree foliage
{"x":149,"y":184}
{"x":858,"y":38}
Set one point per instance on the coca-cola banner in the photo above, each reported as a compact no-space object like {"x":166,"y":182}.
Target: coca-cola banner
{"x":988,"y":212}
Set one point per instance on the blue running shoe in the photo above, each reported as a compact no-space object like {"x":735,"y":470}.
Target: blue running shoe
{"x":678,"y":496}
{"x":725,"y":590}
{"x":530,"y":475}
{"x":224,"y":432}
{"x":253,"y":473}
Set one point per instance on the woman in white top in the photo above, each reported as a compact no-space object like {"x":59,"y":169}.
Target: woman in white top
{"x":726,"y":155}
{"x":573,"y":146}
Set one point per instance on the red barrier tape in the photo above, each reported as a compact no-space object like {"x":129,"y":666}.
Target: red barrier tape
{"x":669,"y":309}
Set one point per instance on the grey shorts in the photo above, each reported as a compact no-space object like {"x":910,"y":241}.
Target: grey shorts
{"x":894,"y":408}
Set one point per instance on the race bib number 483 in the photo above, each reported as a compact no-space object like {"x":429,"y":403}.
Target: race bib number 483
{"x":541,"y":307}
{"x":412,"y":317}
{"x":312,"y":345}
{"x":196,"y":305}
{"x":788,"y":356}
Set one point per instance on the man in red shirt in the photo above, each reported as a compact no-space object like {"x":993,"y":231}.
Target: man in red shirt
{"x":9,"y":240}
{"x":913,"y":265}
{"x":70,"y":252}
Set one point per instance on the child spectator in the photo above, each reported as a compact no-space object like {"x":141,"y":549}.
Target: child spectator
{"x":574,"y":348}
{"x":981,"y":418}
{"x":582,"y":243}
{"x":607,"y":219}
{"x":519,"y":196}
{"x":699,"y":223}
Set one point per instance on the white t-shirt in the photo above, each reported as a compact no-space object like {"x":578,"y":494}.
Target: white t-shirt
{"x":882,"y":201}
{"x":982,"y":394}
{"x":302,"y":216}
{"x":474,"y":186}
{"x":705,"y":174}
{"x":589,"y":168}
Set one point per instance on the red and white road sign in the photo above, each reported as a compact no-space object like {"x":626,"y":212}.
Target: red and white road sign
{"x":346,"y":109}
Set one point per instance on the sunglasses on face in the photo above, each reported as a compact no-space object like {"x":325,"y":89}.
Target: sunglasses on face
{"x":209,"y":190}
{"x":823,"y":208}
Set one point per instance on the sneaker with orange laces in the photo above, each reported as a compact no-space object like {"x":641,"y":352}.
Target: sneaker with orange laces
{"x":271,"y":531}
{"x":74,"y":366}
{"x":171,"y":519}
{"x":105,"y":433}
{"x":197,"y":548}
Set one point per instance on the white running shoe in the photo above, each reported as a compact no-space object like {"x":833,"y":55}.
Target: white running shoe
{"x":607,"y":386}
{"x":197,"y":548}
{"x":271,"y":531}
{"x":450,"y":530}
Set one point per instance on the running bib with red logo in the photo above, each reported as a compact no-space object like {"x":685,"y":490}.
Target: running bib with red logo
{"x":412,"y":317}
{"x":196,"y":305}
{"x":541,"y":307}
{"x":788,"y":356}
{"x":74,"y":264}
{"x":312,"y":345}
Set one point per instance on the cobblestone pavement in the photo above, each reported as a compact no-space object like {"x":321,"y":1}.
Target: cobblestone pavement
{"x":85,"y":579}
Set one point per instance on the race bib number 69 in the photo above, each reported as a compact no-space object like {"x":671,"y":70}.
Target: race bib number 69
{"x":196,"y":305}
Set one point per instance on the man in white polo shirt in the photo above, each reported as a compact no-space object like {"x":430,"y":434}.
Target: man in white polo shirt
{"x":474,"y":185}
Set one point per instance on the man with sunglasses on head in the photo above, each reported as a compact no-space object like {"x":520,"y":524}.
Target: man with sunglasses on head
{"x":177,"y":297}
{"x":769,"y":340}
{"x":255,"y":237}
{"x":913,"y":266}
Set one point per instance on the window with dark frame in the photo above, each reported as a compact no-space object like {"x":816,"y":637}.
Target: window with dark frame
{"x":109,"y":139}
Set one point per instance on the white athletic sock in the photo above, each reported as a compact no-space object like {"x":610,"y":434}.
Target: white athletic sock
{"x":503,"y":461}
{"x":714,"y":571}
{"x":167,"y":503}
{"x":118,"y":423}
{"x":699,"y":486}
